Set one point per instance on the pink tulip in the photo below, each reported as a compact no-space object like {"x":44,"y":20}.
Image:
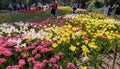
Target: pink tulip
{"x":2,"y":45}
{"x":31,"y":47}
{"x":21,"y":62}
{"x":34,"y":52}
{"x":2,"y":60}
{"x":26,"y":48}
{"x":57,"y":57}
{"x":50,"y":49}
{"x":13,"y":67}
{"x":52,"y":60}
{"x":51,"y":42}
{"x":31,"y":60}
{"x":1,"y":41}
{"x":70,"y":65}
{"x":2,"y":49}
{"x":14,"y":35}
{"x":7,"y":53}
{"x":10,"y":44}
{"x":17,"y":49}
{"x":45,"y":61}
{"x":29,"y":43}
{"x":44,"y":50}
{"x":37,"y":56}
{"x":46,"y":44}
{"x":39,"y":47}
{"x":103,"y":37}
{"x":55,"y":66}
{"x":60,"y":54}
{"x":38,"y":65}
{"x":37,"y":43}
{"x":24,"y":55}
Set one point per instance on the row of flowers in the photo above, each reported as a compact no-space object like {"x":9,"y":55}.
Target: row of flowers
{"x":30,"y":11}
{"x":32,"y":45}
{"x":58,"y":43}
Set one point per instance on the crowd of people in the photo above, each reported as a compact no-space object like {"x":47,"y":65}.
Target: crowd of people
{"x":22,"y":6}
{"x":17,"y":6}
{"x":111,"y":10}
{"x":108,"y":10}
{"x":35,"y":6}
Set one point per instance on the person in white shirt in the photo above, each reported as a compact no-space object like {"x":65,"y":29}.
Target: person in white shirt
{"x":106,"y":9}
{"x":22,"y":6}
{"x":39,"y":6}
{"x":47,"y":6}
{"x":75,"y":6}
{"x":33,"y":6}
{"x":17,"y":6}
{"x":10,"y":8}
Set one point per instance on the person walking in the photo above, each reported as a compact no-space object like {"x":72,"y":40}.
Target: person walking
{"x":53,"y":9}
{"x":114,"y":9}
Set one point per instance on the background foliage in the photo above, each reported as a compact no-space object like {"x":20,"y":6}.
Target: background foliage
{"x":91,"y":5}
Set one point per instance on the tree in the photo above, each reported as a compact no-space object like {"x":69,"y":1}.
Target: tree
{"x":4,"y":4}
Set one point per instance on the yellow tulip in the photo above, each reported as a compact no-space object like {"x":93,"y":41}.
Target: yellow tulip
{"x":54,"y":45}
{"x":78,"y":43}
{"x":73,"y":36}
{"x":83,"y":67}
{"x":72,"y":48}
{"x":85,"y":50}
{"x":92,"y":45}
{"x":29,"y":37}
{"x":59,"y":41}
{"x":109,"y":36}
{"x":47,"y":38}
{"x":86,"y":41}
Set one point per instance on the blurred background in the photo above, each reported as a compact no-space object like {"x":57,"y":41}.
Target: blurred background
{"x":90,"y":5}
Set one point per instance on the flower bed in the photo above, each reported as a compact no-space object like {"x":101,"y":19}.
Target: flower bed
{"x":57,"y":44}
{"x":30,"y":11}
{"x":65,"y":8}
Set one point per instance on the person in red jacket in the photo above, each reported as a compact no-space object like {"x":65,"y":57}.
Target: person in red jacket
{"x":53,"y":9}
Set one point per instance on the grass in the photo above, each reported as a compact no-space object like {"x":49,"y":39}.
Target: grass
{"x":15,"y":16}
{"x":23,"y":16}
